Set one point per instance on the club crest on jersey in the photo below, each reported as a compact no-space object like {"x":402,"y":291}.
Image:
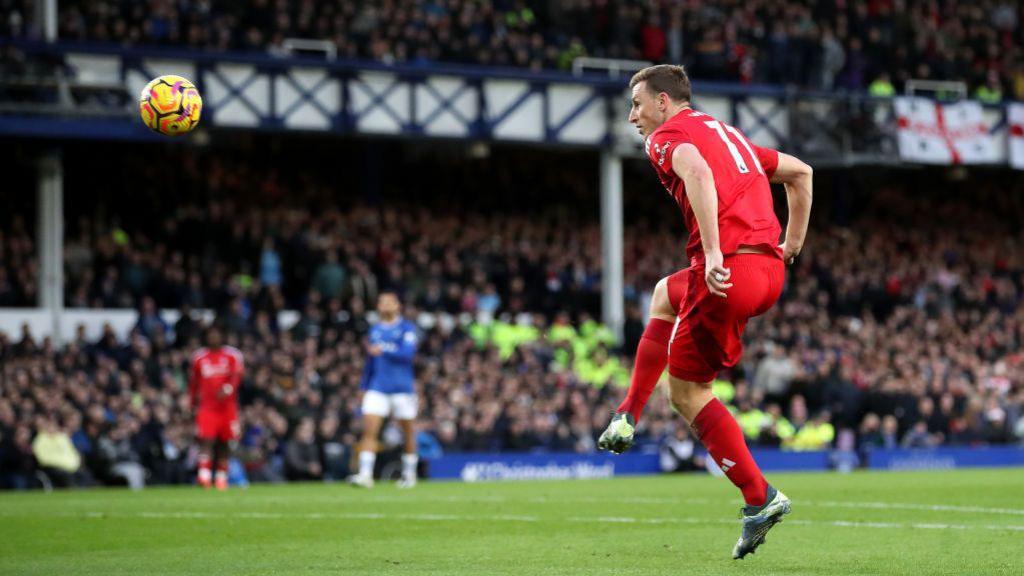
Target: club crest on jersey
{"x":662,"y":151}
{"x":210,"y":369}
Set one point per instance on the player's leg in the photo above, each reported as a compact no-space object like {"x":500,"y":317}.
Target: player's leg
{"x":706,"y":339}
{"x":652,"y":351}
{"x":205,"y":435}
{"x":410,"y":459}
{"x":368,"y":444}
{"x":405,"y":406}
{"x":723,"y":438}
{"x":375,"y":408}
{"x":228,"y":432}
{"x":716,"y":428}
{"x":223,"y":452}
{"x":205,"y":473}
{"x":649,"y":363}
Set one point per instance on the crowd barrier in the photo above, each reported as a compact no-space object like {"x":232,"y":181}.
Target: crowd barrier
{"x":558,"y":466}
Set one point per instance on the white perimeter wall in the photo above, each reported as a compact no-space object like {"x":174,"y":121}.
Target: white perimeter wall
{"x":121,"y":320}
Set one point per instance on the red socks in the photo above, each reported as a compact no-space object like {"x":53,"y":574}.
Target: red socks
{"x":722,"y":436}
{"x":651,"y":357}
{"x":205,"y":474}
{"x":714,"y":425}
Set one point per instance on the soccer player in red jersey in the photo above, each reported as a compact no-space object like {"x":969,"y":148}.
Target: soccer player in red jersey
{"x":737,"y":269}
{"x":213,"y":389}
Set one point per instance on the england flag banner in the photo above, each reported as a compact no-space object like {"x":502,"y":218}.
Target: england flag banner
{"x":1015,"y":119}
{"x":933,"y":133}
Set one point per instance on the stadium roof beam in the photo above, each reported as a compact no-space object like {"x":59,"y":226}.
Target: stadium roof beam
{"x":46,"y":14}
{"x":50,"y":239}
{"x":612,"y":297}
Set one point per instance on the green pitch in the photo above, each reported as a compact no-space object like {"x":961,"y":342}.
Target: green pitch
{"x":963,"y":522}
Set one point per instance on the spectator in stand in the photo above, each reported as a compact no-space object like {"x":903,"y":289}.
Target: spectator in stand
{"x":811,"y":43}
{"x":918,"y":437}
{"x":19,"y":462}
{"x":270,"y":264}
{"x":817,"y":434}
{"x":329,"y":278}
{"x":678,"y":453}
{"x":890,"y":432}
{"x":333,"y":445}
{"x":56,"y":455}
{"x":870,"y":435}
{"x":774,"y":374}
{"x":150,"y":324}
{"x":118,"y":461}
{"x":301,"y":454}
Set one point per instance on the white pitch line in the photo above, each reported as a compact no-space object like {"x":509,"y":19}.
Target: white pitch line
{"x":517,"y":518}
{"x":825,"y":503}
{"x":912,"y":506}
{"x":838,"y":523}
{"x":655,"y":500}
{"x":647,"y":500}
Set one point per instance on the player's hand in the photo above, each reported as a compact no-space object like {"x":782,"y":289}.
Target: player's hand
{"x":374,"y":350}
{"x":618,"y":437}
{"x":716,"y":274}
{"x":789,"y":252}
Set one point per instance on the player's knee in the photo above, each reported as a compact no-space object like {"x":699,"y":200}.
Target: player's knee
{"x":371,"y":427}
{"x":661,"y":306}
{"x":680,"y":400}
{"x":687,"y":396}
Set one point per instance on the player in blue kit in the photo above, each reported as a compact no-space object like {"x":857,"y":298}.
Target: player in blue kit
{"x":388,"y":389}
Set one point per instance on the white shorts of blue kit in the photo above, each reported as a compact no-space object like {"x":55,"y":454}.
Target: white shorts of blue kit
{"x":401,"y":406}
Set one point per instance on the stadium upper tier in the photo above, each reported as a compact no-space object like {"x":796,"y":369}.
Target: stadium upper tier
{"x":812,"y":43}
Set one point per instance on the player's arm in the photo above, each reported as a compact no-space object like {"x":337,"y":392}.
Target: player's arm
{"x":405,"y":349}
{"x":193,"y":385}
{"x":369,"y":363}
{"x":689,"y":165}
{"x":235,"y":382}
{"x":798,"y":178}
{"x":364,"y":382}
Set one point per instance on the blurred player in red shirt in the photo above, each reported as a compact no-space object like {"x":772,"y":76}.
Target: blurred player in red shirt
{"x":737,"y":270}
{"x":213,"y":389}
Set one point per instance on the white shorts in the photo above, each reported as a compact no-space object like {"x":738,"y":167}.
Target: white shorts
{"x":401,"y":406}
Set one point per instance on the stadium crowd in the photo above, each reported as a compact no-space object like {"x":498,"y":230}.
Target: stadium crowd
{"x":911,"y":338}
{"x":853,"y":45}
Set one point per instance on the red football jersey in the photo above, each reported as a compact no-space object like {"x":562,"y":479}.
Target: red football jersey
{"x":746,"y":213}
{"x":216,"y":377}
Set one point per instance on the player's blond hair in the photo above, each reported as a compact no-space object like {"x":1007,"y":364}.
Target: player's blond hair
{"x":667,"y":78}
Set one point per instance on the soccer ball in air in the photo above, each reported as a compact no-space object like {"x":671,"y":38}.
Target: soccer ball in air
{"x":170,"y":105}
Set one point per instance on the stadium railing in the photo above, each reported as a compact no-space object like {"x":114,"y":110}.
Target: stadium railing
{"x":266,"y":92}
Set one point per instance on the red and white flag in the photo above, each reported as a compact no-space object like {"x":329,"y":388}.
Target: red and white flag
{"x":933,"y":133}
{"x":1015,"y":119}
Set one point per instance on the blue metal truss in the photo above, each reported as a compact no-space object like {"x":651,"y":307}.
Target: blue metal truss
{"x":305,"y":97}
{"x":379,"y":100}
{"x":446,"y":105}
{"x":266,"y":80}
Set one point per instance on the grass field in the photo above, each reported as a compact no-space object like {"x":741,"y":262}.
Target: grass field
{"x":963,"y":522}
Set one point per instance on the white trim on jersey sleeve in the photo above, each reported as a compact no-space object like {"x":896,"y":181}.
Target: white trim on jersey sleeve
{"x":239,"y":357}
